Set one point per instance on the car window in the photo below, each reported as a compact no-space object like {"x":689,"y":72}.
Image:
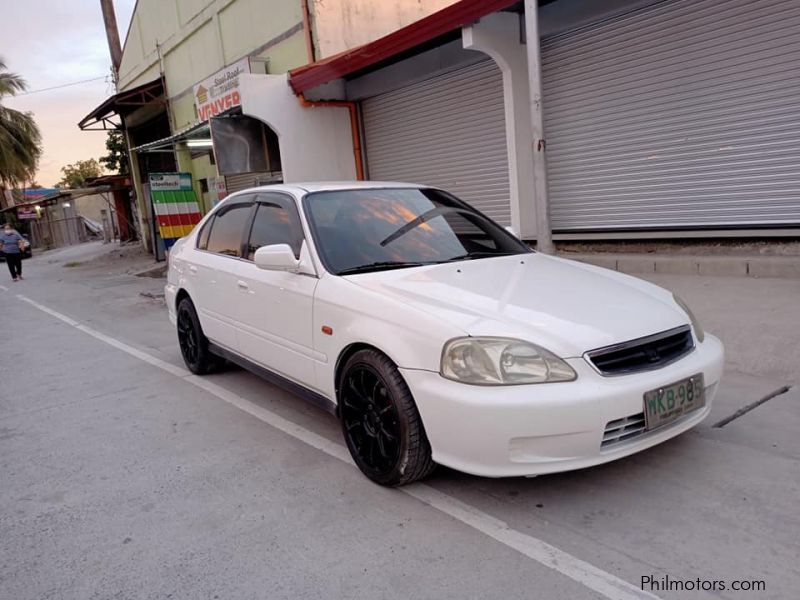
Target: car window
{"x":276,"y":222}
{"x":228,"y":229}
{"x":202,"y":238}
{"x":373,"y":229}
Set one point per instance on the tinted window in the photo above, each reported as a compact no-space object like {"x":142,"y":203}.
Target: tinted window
{"x":276,"y":222}
{"x":202,"y":239}
{"x":392,"y":228}
{"x":228,"y":229}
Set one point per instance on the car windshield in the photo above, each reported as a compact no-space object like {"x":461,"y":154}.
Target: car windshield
{"x":358,"y":231}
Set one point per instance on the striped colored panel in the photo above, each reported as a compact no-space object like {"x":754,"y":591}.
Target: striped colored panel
{"x":176,"y":212}
{"x":178,"y":219}
{"x":176,"y":208}
{"x":175,"y":231}
{"x":172,"y":197}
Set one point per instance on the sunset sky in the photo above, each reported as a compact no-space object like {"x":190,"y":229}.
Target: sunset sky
{"x":52,"y":43}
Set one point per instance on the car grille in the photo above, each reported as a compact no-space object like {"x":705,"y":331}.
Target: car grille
{"x":620,"y":430}
{"x":643,"y":354}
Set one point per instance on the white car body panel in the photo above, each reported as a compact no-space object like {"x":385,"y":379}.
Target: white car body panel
{"x":272,"y":311}
{"x":276,"y":319}
{"x":536,"y":298}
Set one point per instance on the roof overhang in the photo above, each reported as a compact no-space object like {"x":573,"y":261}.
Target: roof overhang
{"x":419,"y":33}
{"x":108,"y":115}
{"x":167,"y":144}
{"x":61,"y":195}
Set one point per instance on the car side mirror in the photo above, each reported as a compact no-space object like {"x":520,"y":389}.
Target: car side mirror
{"x":276,"y":257}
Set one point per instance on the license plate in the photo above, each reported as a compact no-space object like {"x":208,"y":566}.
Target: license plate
{"x":666,"y":404}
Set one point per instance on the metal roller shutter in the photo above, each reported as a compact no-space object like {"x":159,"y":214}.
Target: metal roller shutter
{"x":242,"y":181}
{"x":449,"y":132}
{"x":683,"y":114}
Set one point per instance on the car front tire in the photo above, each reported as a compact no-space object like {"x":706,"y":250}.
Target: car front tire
{"x":194,"y":345}
{"x":380,"y":421}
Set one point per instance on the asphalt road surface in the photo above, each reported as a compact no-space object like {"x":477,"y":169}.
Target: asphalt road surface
{"x":123,"y":476}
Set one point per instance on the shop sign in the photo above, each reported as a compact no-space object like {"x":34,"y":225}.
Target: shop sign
{"x":220,"y":92}
{"x":170,"y":182}
{"x":27,"y":212}
{"x":220,"y":189}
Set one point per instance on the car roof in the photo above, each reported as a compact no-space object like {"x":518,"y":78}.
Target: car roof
{"x":332,"y":186}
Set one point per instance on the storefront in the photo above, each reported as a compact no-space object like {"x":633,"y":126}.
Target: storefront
{"x":661,"y":118}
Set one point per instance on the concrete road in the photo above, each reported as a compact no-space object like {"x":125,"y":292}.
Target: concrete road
{"x":121,"y":476}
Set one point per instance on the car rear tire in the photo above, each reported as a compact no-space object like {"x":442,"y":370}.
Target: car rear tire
{"x":193,"y":343}
{"x":380,"y":421}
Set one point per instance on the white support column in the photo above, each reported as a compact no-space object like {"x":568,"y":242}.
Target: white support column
{"x":544,"y":238}
{"x":498,"y":35}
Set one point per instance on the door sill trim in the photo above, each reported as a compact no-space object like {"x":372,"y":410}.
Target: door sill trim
{"x":290,"y":386}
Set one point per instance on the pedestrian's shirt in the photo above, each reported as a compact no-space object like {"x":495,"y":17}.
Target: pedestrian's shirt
{"x":9,"y":242}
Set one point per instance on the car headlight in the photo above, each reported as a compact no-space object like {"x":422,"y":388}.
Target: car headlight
{"x":501,"y":361}
{"x":698,"y":330}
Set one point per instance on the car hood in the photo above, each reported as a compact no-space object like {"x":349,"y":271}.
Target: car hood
{"x":565,"y":306}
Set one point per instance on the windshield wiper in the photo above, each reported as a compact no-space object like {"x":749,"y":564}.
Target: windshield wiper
{"x":380,"y":266}
{"x":424,"y":218}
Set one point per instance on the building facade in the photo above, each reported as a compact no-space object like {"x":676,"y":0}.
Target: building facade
{"x":610,"y":119}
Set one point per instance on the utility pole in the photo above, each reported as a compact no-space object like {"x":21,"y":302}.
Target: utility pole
{"x":544,"y":236}
{"x":112,"y":35}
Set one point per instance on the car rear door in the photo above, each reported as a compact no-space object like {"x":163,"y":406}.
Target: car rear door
{"x":218,"y":258}
{"x":275,"y":307}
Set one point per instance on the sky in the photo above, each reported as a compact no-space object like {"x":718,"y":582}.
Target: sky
{"x":52,"y":43}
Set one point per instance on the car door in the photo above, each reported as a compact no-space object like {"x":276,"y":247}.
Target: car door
{"x":274,"y":318}
{"x":214,"y":270}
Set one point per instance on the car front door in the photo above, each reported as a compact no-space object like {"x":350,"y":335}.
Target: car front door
{"x":218,"y":258}
{"x":275,"y":320}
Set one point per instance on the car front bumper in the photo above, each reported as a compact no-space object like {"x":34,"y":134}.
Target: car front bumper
{"x":507,"y":431}
{"x":170,"y":295}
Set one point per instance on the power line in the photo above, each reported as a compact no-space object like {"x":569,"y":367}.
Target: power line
{"x":63,"y":85}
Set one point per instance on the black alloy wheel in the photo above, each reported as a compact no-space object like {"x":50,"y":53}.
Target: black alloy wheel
{"x":380,"y":422}
{"x":193,"y":344}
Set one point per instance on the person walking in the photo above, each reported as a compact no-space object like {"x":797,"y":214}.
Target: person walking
{"x":11,"y":246}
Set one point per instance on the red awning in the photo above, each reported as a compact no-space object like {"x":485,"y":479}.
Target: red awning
{"x":431,"y":27}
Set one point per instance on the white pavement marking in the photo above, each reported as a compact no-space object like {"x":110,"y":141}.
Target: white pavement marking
{"x":4,"y":288}
{"x":576,"y":569}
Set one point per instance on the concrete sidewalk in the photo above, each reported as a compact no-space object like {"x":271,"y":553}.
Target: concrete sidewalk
{"x":757,"y":266}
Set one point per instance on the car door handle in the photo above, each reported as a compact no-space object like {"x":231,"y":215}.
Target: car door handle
{"x":192,"y":269}
{"x":242,"y":285}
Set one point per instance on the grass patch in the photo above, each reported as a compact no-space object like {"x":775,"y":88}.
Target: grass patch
{"x":73,"y":263}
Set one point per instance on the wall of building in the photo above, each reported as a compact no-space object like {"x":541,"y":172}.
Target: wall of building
{"x":316,"y":143}
{"x":91,"y":206}
{"x":192,"y":39}
{"x":342,"y":24}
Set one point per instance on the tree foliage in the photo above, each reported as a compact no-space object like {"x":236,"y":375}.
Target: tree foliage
{"x":74,"y":175}
{"x":116,"y":161}
{"x":20,"y":138}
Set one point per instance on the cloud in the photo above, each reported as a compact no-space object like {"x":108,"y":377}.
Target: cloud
{"x":51,"y":43}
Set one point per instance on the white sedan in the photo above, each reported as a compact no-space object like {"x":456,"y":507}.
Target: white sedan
{"x":435,"y":335}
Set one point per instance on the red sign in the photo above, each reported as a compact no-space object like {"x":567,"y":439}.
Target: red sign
{"x":27,"y":212}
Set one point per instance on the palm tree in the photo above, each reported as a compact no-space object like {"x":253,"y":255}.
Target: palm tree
{"x":20,"y":139}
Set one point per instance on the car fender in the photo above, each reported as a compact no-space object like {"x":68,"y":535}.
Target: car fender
{"x":347,"y":314}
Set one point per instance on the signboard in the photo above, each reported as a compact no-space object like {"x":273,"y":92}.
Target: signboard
{"x":27,"y":212}
{"x":175,"y":206}
{"x":170,"y":182}
{"x":220,"y":92}
{"x":220,"y":188}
